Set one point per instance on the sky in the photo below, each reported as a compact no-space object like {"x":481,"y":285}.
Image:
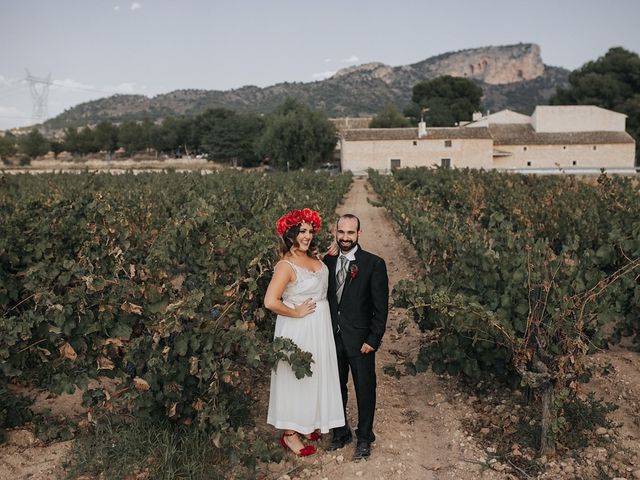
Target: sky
{"x":88,"y":49}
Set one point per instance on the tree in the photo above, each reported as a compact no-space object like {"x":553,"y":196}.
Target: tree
{"x":131,"y":137}
{"x":171,"y":136}
{"x":70,"y":141}
{"x":57,"y":148}
{"x":612,"y":81}
{"x":34,"y":144}
{"x":86,"y":141}
{"x":230,"y":137}
{"x":448,"y":99}
{"x":390,"y":117}
{"x":297,"y":136}
{"x":8,"y":146}
{"x":106,"y":137}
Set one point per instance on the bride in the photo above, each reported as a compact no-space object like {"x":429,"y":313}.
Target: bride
{"x":298,"y":294}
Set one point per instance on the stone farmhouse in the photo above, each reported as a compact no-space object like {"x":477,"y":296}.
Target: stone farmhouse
{"x":573,"y":139}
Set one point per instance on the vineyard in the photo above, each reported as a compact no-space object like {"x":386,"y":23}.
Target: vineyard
{"x":153,"y":280}
{"x":145,"y":291}
{"x":525,"y":276}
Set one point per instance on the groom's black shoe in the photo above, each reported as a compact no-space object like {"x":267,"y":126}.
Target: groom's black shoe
{"x":363,"y":451}
{"x":339,"y":442}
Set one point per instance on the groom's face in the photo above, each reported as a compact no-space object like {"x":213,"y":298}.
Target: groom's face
{"x":347,"y":233}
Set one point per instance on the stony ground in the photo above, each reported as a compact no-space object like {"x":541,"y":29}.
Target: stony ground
{"x":427,"y":427}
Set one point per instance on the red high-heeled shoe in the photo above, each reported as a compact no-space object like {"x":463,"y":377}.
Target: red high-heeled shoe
{"x":304,"y":451}
{"x":314,"y":436}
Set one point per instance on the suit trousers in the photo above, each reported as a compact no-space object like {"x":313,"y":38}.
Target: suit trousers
{"x":363,"y":372}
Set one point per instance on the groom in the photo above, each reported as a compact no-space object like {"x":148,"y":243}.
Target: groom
{"x":358,"y":298}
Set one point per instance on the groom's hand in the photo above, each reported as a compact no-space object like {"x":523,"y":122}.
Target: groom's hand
{"x":366,"y":348}
{"x":333,"y":249}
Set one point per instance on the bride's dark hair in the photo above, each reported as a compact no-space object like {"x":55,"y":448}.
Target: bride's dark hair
{"x":289,"y":241}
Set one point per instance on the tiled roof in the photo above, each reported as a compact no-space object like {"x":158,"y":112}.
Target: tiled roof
{"x":368,"y":134}
{"x":502,"y":134}
{"x":525,"y":135}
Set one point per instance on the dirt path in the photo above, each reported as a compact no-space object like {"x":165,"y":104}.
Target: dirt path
{"x":417,"y":425}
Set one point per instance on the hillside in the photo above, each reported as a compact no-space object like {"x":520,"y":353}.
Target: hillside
{"x":511,"y":77}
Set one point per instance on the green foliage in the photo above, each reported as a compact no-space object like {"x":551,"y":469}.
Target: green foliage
{"x":297,"y":137}
{"x":612,"y":81}
{"x":132,"y":137}
{"x":230,"y":137}
{"x":523,"y":271}
{"x":154,"y":279}
{"x":106,"y":137}
{"x":579,"y":418}
{"x":390,"y":117}
{"x":14,"y":409}
{"x":8,"y":146}
{"x":448,"y":100}
{"x":48,"y":428}
{"x":114,"y":450}
{"x":33,"y":144}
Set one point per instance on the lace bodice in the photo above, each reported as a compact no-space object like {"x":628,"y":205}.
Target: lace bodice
{"x":308,"y":284}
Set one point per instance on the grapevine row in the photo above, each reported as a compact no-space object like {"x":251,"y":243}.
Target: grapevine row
{"x":153,"y":279}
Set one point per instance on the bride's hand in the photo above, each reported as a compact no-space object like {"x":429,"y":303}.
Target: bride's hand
{"x":305,"y":308}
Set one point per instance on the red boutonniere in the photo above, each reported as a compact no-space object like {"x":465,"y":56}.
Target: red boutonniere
{"x":353,"y":271}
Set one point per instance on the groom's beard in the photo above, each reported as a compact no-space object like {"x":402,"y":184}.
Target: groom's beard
{"x":346,"y":245}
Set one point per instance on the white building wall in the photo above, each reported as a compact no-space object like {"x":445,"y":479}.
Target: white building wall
{"x":563,"y":156}
{"x":358,"y":156}
{"x":577,"y":118}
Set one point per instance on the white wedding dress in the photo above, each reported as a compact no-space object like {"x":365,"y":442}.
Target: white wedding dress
{"x":315,"y":402}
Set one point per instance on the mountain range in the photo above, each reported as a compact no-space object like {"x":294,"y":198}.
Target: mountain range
{"x":511,"y":76}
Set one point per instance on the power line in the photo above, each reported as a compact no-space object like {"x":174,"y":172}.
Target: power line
{"x":11,"y":91}
{"x":86,"y":89}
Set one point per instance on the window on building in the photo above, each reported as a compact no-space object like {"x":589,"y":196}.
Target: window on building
{"x":594,"y":147}
{"x":524,"y":148}
{"x":575,"y":163}
{"x":395,"y":163}
{"x":447,"y":143}
{"x":445,"y":163}
{"x":528,"y":164}
{"x":415,"y":142}
{"x":564,"y":147}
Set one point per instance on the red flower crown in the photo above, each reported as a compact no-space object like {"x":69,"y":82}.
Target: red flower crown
{"x":296,"y":217}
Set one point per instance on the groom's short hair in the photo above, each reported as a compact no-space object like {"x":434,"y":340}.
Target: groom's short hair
{"x":349,"y":215}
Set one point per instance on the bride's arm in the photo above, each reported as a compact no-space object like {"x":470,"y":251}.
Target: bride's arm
{"x":282,"y":276}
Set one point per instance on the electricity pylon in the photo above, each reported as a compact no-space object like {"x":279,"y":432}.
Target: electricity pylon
{"x":39,"y":88}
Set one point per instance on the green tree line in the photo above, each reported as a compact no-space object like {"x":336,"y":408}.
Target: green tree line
{"x":613,"y":82}
{"x":294,"y":136}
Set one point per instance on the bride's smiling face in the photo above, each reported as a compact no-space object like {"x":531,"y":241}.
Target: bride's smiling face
{"x":305,"y":235}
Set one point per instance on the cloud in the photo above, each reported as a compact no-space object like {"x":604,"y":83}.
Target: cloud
{"x":69,"y":83}
{"x":116,"y":8}
{"x":351,"y":59}
{"x":322,"y":75}
{"x":126,"y":87}
{"x":327,"y":60}
{"x":135,"y":6}
{"x":11,"y":82}
{"x":11,"y":117}
{"x":12,"y":112}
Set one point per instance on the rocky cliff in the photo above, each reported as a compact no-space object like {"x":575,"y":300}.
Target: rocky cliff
{"x":512,"y":76}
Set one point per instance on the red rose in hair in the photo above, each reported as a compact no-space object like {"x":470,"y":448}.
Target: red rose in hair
{"x":296,"y":217}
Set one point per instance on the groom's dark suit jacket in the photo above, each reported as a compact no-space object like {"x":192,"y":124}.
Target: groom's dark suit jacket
{"x":362,"y":313}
